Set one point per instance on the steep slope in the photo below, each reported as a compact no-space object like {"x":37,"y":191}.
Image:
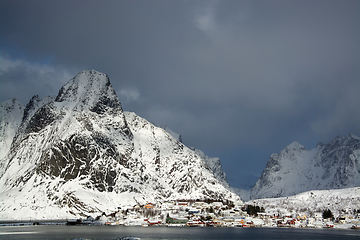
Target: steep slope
{"x":172,"y":133}
{"x":295,"y":170}
{"x":181,"y":169}
{"x":11,"y":112}
{"x":214,"y":163}
{"x":79,"y":154}
{"x":215,"y":166}
{"x":34,"y":104}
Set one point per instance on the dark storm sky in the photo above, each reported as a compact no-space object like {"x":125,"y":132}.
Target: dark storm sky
{"x":237,"y":79}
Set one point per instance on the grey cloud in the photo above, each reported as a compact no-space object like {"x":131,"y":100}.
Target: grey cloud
{"x":21,"y":79}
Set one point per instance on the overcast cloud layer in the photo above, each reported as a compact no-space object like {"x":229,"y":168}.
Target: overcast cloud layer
{"x":237,"y":79}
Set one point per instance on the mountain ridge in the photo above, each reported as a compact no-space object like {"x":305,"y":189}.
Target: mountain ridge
{"x":79,"y":154}
{"x":294,"y":170}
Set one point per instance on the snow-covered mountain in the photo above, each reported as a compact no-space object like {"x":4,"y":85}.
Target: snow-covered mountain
{"x":294,"y":170}
{"x":79,"y":154}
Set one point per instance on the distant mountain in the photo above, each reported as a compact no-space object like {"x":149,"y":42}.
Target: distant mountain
{"x":79,"y":154}
{"x":294,"y":170}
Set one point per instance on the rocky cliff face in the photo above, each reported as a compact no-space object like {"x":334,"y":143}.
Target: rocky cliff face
{"x":78,"y":154}
{"x":294,"y":170}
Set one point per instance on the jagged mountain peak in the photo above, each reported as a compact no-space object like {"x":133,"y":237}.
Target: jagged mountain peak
{"x":294,"y":146}
{"x":90,"y":89}
{"x":10,"y":107}
{"x":289,"y":153}
{"x":349,"y":139}
{"x":353,"y":136}
{"x":34,"y":104}
{"x":10,"y":104}
{"x":79,"y":154}
{"x":294,"y":170}
{"x":11,"y":110}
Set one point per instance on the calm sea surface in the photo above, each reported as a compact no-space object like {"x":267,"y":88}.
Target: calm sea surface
{"x":174,"y":233}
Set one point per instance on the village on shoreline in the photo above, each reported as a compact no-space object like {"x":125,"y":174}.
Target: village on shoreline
{"x":209,"y":213}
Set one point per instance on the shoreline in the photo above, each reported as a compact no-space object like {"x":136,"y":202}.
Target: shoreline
{"x":64,"y":223}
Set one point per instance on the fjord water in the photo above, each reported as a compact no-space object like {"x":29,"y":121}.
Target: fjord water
{"x":169,"y":233}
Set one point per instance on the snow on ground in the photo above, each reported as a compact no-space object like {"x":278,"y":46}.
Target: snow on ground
{"x":338,"y":201}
